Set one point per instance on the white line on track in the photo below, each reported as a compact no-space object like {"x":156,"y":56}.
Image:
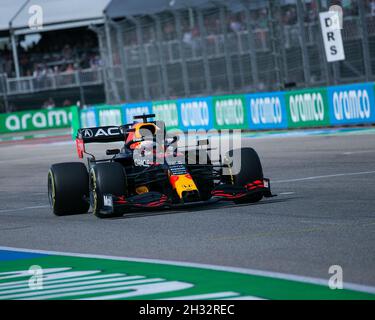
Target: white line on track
{"x":72,"y":285}
{"x":50,"y":294}
{"x":219,"y":295}
{"x":32,"y":159}
{"x":357,"y":152}
{"x":325,"y":176}
{"x":25,"y":283}
{"x":23,"y":209}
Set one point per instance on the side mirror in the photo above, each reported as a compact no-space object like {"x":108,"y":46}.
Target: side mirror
{"x":112,"y":152}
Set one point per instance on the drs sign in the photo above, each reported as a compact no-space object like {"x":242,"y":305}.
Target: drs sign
{"x":331,"y":31}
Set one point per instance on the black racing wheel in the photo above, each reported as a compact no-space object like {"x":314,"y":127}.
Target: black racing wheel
{"x":68,"y":188}
{"x":106,"y":178}
{"x":244,"y":166}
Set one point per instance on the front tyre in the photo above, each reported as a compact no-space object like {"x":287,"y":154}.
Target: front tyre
{"x":244,"y":167}
{"x":106,"y":178}
{"x":68,"y":188}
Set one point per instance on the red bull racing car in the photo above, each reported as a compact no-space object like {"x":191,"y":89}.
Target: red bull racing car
{"x":151,"y":171}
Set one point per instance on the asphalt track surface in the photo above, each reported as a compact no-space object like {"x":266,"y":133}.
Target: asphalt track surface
{"x":324,"y":214}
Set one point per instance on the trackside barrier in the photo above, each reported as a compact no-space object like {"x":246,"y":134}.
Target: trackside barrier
{"x":351,"y":104}
{"x":317,"y":107}
{"x":266,"y":111}
{"x":32,"y":120}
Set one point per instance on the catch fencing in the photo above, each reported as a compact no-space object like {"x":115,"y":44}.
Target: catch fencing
{"x":242,"y":46}
{"x":228,"y":47}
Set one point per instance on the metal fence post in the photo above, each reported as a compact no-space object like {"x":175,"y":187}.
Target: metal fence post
{"x":124,"y":63}
{"x":164,"y":74}
{"x":104,"y":57}
{"x":81,"y":89}
{"x":365,"y":43}
{"x":54,"y":85}
{"x":207,"y":73}
{"x":14,"y":39}
{"x":4,"y":91}
{"x":111,"y":77}
{"x":252,"y":51}
{"x":273,"y":10}
{"x":303,"y":43}
{"x":228,"y":61}
{"x":139,"y":31}
{"x":185,"y":78}
{"x":336,"y":72}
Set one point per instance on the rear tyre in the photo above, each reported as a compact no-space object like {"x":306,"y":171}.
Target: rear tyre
{"x":245,"y":167}
{"x":106,"y":178}
{"x":68,"y":188}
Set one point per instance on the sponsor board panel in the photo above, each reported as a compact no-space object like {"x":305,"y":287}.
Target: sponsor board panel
{"x":89,"y":117}
{"x":35,"y":120}
{"x":230,"y":112}
{"x":266,"y":111}
{"x":352,"y":104}
{"x":109,"y":115}
{"x":195,"y":113}
{"x":307,"y":108}
{"x":134,"y":109}
{"x":167,"y":111}
{"x":75,"y":276}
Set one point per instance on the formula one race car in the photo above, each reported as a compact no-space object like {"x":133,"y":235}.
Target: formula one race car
{"x":151,"y":171}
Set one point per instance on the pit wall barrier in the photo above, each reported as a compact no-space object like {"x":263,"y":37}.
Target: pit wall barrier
{"x":318,"y":107}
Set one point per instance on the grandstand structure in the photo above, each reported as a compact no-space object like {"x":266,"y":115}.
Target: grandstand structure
{"x":47,"y":69}
{"x":163,"y":49}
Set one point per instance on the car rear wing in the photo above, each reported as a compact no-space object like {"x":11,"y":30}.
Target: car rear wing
{"x":98,"y":135}
{"x":101,"y":134}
